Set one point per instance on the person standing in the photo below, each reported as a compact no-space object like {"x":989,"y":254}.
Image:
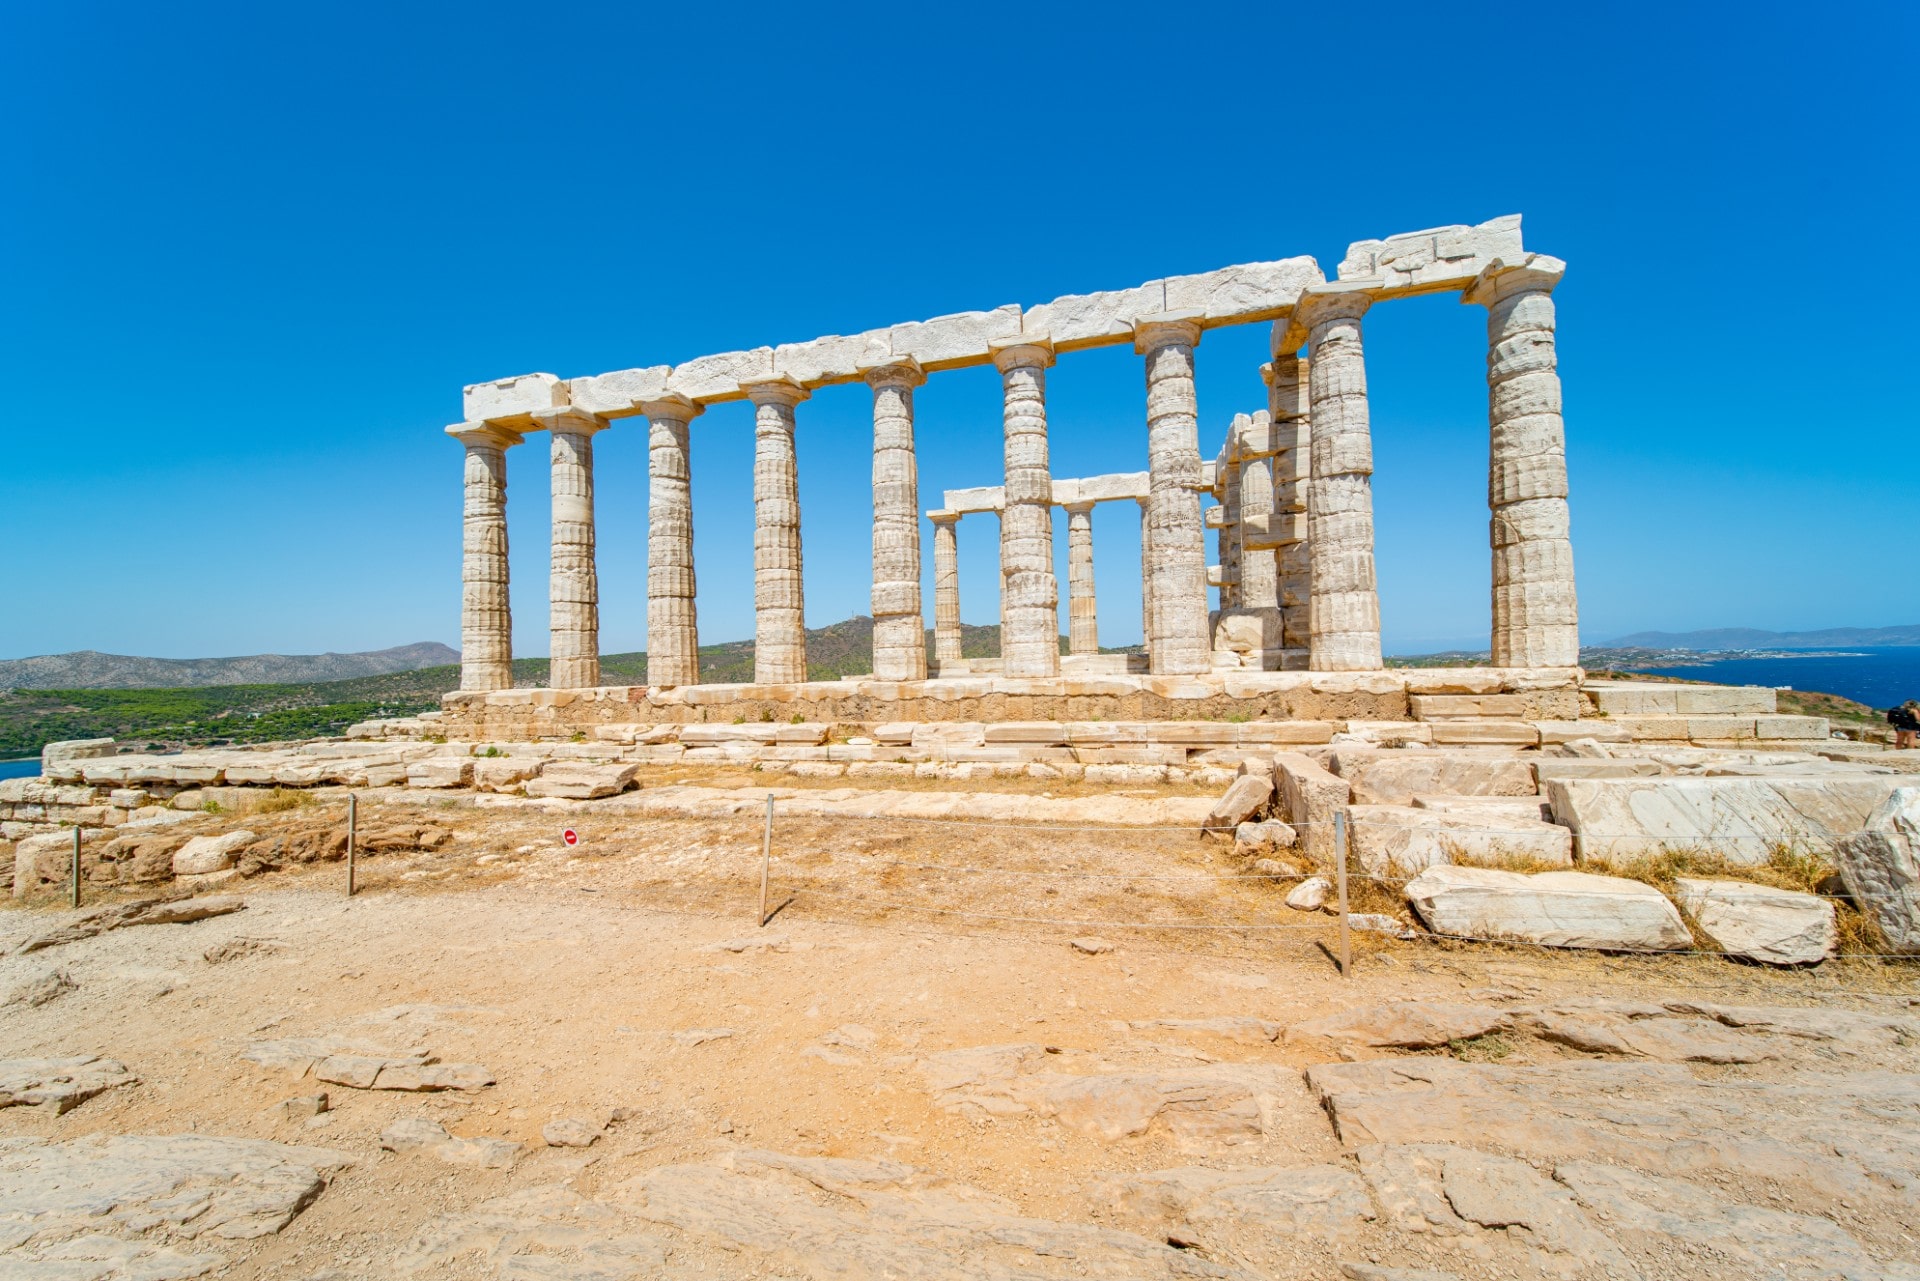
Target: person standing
{"x":1905,"y":720}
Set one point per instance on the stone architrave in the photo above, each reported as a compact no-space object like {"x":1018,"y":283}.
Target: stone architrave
{"x":1536,"y":621}
{"x":1287,"y":385}
{"x":673,"y":628}
{"x":573,"y":590}
{"x":780,"y":636}
{"x":1029,"y":593}
{"x":946,"y":586}
{"x":486,"y":612}
{"x":1146,"y":577}
{"x":899,"y":629}
{"x":1178,"y":643}
{"x":1344,"y":615}
{"x":1083,"y":622}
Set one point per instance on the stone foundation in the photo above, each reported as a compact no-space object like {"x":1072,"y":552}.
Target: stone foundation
{"x":1525,"y":694}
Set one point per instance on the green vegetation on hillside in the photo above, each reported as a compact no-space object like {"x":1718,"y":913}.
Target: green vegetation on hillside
{"x":32,"y":718}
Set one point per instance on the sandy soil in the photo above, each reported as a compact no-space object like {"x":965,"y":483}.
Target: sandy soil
{"x":568,"y":973}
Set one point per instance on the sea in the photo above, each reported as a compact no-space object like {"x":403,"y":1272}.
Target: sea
{"x":1879,"y":676}
{"x":20,"y":769}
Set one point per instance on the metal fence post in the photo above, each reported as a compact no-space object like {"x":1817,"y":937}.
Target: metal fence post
{"x":766,"y":860}
{"x":353,"y":816}
{"x":76,"y":866}
{"x":1340,"y":875}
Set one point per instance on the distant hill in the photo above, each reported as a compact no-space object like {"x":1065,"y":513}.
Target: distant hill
{"x":89,"y":669}
{"x":1752,"y":638}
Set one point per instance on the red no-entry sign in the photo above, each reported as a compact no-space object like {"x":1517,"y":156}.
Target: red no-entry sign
{"x":570,"y":836}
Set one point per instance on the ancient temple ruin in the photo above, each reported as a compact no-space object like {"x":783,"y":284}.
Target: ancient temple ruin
{"x":1295,"y":513}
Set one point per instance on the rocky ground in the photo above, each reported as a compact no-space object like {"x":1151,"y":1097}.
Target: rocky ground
{"x":511,"y":1058}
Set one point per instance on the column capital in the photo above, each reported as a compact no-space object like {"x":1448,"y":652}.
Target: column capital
{"x":677,"y":408}
{"x":778,"y":390}
{"x":1289,"y":335}
{"x":1165,"y":329}
{"x":577,"y":422}
{"x":945,"y":517}
{"x":1024,"y":351}
{"x":1082,"y":508}
{"x":1535,"y":274}
{"x":1334,"y":300}
{"x":486,"y":434}
{"x":904,"y":372}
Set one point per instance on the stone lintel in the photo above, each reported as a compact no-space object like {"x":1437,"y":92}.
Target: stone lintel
{"x":510,"y":400}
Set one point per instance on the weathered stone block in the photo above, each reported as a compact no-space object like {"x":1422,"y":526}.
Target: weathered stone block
{"x":950,"y":342}
{"x":1402,"y":840}
{"x":1759,"y":922}
{"x":619,"y":394}
{"x":1558,"y":909}
{"x":1395,"y":778}
{"x":1742,"y":819}
{"x":1310,"y":797}
{"x":713,"y":379}
{"x":512,"y":400}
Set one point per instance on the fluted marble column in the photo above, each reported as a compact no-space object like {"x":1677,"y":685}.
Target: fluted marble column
{"x":673,"y":627}
{"x":1178,"y":642}
{"x":1083,"y":621}
{"x":1228,"y":490}
{"x":486,"y":611}
{"x":946,"y":586}
{"x":1146,"y":578}
{"x":780,"y":629}
{"x":1029,"y":592}
{"x":1536,"y":617}
{"x":1287,"y":385}
{"x":1259,"y":570}
{"x":899,"y":628}
{"x":573,"y":588}
{"x":1345,"y":607}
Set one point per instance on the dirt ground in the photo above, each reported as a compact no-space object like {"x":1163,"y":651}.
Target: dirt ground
{"x":629,"y":973}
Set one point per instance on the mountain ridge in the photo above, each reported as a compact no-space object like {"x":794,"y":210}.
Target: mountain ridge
{"x":91,"y":669}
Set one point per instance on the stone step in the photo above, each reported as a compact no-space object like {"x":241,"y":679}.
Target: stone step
{"x":1721,"y":729}
{"x":1629,"y":698}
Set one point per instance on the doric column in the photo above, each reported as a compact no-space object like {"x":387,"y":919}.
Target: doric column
{"x":946,"y":585}
{"x":1259,"y":576}
{"x":1178,"y":643}
{"x":780,"y":629}
{"x":899,"y":628}
{"x":1287,"y":385}
{"x":1029,"y":592}
{"x":1083,"y":622}
{"x":486,"y":612}
{"x":673,"y":628}
{"x":1345,"y":608}
{"x":1536,"y":617}
{"x":1146,"y":578}
{"x":573,"y":588}
{"x":1227,"y":467}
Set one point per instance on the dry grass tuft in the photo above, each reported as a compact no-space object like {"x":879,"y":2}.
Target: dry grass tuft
{"x":277,"y":801}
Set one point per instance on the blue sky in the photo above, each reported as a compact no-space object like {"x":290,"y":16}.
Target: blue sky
{"x":252,"y":252}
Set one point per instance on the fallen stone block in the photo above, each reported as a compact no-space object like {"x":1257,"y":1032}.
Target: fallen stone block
{"x":205,"y":854}
{"x":59,"y":1084}
{"x":1880,"y":866}
{"x":1396,"y":777}
{"x":577,"y":781}
{"x":1245,"y":799}
{"x":427,"y":1077}
{"x":503,"y":775}
{"x":1740,"y":818}
{"x":1401,"y":840}
{"x":1309,"y":895}
{"x":1759,"y":922}
{"x":440,"y":771}
{"x":1558,"y":909}
{"x":1310,"y":798}
{"x":1254,"y":840}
